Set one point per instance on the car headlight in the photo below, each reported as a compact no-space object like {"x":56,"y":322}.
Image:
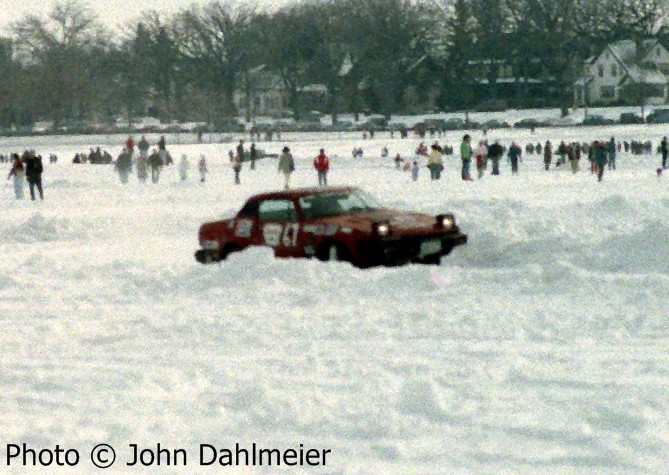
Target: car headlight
{"x":446,"y":221}
{"x":381,"y":229}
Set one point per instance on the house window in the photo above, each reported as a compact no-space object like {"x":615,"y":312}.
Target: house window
{"x":614,"y":70}
{"x":608,"y":92}
{"x":601,"y":71}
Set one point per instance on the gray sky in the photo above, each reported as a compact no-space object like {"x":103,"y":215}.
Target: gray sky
{"x":112,"y":12}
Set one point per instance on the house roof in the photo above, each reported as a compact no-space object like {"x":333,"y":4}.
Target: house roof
{"x":645,"y":75}
{"x":626,"y":50}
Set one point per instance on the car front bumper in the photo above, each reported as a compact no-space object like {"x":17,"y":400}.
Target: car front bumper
{"x":399,"y":250}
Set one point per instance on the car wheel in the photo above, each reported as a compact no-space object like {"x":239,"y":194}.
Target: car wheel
{"x":228,"y":249}
{"x":432,"y":260}
{"x":201,"y":257}
{"x":205,"y":257}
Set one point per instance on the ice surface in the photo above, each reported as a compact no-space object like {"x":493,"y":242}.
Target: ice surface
{"x":539,"y":347}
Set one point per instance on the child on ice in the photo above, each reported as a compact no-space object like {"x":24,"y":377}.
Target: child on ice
{"x":414,"y":171}
{"x":202,"y":168}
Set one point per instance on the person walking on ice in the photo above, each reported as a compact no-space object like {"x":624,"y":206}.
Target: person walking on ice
{"x":435,"y":162}
{"x":514,"y":156}
{"x":611,"y":152}
{"x":286,"y":165}
{"x":124,"y":165}
{"x":237,"y":168}
{"x":548,"y":155}
{"x":34,"y":171}
{"x":156,"y":164}
{"x":414,"y":171}
{"x":481,"y":158}
{"x":601,"y":157}
{"x":202,"y":168}
{"x":19,"y":174}
{"x":184,"y":166}
{"x":466,"y":157}
{"x":322,"y":166}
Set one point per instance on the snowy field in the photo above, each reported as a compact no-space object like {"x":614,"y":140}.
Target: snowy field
{"x":542,"y":346}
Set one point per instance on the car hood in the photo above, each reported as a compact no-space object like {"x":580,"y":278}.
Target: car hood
{"x":401,"y":222}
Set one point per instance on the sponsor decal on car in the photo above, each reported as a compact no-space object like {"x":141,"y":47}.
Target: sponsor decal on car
{"x":272,"y":234}
{"x":243,"y":228}
{"x":321,"y":229}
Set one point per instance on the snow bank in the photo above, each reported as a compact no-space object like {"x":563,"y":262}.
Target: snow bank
{"x":540,"y":346}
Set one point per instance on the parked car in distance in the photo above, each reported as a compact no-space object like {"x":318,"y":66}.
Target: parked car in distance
{"x":378,"y":121}
{"x":566,"y":121}
{"x":630,"y":118}
{"x":454,"y":123}
{"x":593,"y":119}
{"x":658,"y":116}
{"x":495,"y":124}
{"x":342,"y":223}
{"x":530,"y":123}
{"x":342,"y":126}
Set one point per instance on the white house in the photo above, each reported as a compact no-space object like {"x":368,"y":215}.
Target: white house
{"x":265,"y":93}
{"x":607,"y":78}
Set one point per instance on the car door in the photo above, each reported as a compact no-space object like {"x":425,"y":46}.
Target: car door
{"x":245,"y":225}
{"x":279,"y":227}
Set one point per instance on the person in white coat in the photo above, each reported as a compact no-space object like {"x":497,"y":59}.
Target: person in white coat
{"x":481,"y":157}
{"x":18,"y":171}
{"x":286,"y":165}
{"x":184,"y":166}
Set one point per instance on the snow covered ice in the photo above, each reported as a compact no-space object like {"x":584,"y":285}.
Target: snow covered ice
{"x":539,"y":347}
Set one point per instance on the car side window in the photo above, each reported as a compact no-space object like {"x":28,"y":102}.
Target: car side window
{"x":323,"y":205}
{"x":249,"y":210}
{"x":282,"y":211}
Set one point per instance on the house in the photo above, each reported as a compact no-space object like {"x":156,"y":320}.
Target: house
{"x":626,"y":71}
{"x":263,"y":92}
{"x":266,"y":95}
{"x":517,"y":83}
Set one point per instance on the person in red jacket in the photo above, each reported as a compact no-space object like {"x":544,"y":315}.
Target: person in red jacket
{"x":130,"y":144}
{"x":322,"y":165}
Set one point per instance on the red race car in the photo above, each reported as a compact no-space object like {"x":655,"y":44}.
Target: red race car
{"x":343,"y":223}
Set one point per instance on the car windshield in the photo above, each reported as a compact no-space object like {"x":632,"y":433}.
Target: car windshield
{"x":336,"y":203}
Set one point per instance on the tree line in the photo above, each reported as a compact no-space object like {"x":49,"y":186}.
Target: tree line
{"x":382,"y":56}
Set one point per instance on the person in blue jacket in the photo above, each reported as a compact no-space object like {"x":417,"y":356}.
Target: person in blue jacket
{"x":600,"y":153}
{"x":514,"y":155}
{"x":611,"y":149}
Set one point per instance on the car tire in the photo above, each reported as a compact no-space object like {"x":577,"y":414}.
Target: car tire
{"x":433,"y":260}
{"x":228,"y":249}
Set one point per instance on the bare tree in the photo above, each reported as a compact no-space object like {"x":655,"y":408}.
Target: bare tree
{"x":216,"y":42}
{"x":63,"y":46}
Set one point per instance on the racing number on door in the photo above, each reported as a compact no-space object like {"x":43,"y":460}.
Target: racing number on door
{"x":275,"y":234}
